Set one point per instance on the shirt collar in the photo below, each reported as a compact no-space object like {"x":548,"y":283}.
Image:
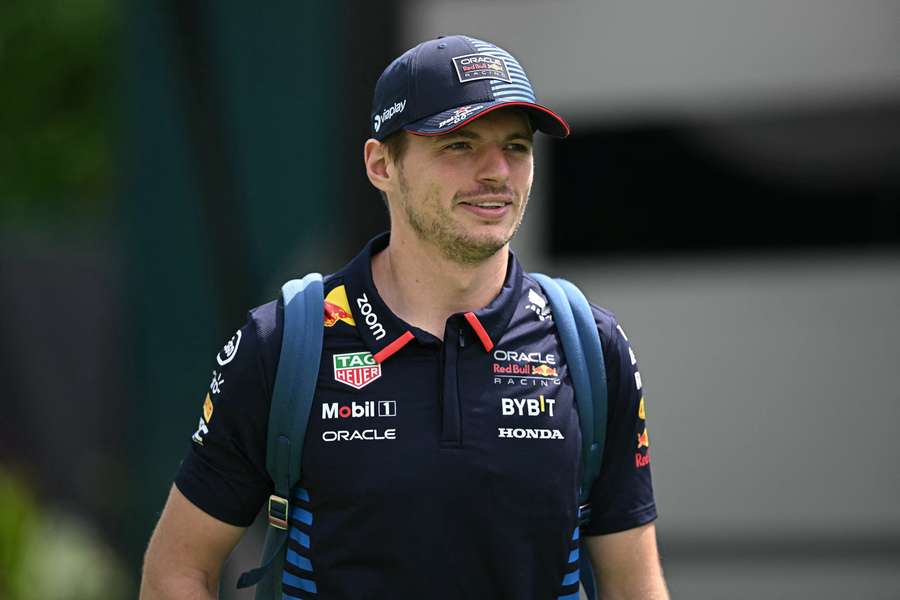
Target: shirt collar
{"x":384,"y":333}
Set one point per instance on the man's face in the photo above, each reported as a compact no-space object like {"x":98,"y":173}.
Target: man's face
{"x":465,"y":192}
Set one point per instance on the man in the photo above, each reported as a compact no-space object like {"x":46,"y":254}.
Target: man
{"x":443,"y":448}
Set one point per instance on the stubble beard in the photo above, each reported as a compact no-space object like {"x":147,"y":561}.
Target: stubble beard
{"x":436,"y":227}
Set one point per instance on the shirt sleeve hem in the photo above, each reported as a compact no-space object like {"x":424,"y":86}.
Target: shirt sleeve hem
{"x":615,"y":525}
{"x":195,"y":497}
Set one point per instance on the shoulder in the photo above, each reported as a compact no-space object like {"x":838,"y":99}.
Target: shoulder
{"x":608,"y":326}
{"x":611,"y":333}
{"x":265,"y":325}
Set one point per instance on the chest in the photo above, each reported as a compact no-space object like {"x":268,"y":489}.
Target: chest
{"x":437,"y":420}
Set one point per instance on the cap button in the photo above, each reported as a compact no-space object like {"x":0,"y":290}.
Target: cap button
{"x":442,"y":46}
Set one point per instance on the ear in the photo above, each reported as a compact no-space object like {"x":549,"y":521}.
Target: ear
{"x":379,"y":168}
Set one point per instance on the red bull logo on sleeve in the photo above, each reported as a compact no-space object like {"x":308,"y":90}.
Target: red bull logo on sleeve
{"x":337,"y":308}
{"x":642,"y":459}
{"x":643,"y":439}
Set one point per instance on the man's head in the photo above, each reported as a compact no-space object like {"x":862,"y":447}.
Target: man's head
{"x":451,"y":144}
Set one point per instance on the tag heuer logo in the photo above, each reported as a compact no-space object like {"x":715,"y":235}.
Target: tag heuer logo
{"x":356,"y":369}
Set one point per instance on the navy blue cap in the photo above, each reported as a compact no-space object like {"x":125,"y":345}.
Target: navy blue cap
{"x":443,"y":84}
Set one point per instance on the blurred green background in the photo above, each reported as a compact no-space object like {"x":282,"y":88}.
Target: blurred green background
{"x":731,"y":192}
{"x":164,"y":167}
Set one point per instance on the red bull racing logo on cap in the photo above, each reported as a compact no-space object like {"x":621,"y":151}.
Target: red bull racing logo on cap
{"x":472,"y":67}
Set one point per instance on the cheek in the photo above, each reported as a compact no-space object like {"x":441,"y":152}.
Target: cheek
{"x":524,"y":175}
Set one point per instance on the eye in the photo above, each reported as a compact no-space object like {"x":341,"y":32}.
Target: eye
{"x":517,"y":147}
{"x":458,"y":146}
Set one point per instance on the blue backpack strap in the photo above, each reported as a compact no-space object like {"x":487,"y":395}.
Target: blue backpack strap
{"x":292,"y":399}
{"x":584,"y":356}
{"x":572,"y":319}
{"x":593,"y":353}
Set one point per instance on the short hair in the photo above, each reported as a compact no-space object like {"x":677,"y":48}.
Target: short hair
{"x":395,"y":146}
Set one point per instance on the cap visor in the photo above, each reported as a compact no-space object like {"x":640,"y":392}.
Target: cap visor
{"x":542,"y":117}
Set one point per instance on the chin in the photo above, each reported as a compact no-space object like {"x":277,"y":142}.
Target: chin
{"x":473,"y":248}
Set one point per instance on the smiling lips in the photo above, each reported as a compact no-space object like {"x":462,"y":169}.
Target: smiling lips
{"x":488,"y":206}
{"x":488,"y":210}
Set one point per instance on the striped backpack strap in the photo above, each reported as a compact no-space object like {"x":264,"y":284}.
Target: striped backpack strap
{"x":292,"y":398}
{"x":580,"y":339}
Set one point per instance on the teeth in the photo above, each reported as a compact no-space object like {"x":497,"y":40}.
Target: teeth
{"x":490,"y":204}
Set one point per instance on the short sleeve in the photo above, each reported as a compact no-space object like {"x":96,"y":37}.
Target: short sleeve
{"x":622,"y":496}
{"x":224,"y":472}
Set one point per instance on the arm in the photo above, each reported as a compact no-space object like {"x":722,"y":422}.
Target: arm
{"x":626,"y":565}
{"x":186,"y":552}
{"x":222,"y":482}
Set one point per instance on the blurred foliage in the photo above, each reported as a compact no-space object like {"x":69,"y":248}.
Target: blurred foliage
{"x":47,"y":553}
{"x":58,"y":61}
{"x":17,"y":517}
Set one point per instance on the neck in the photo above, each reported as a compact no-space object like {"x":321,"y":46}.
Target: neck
{"x":423,"y":287}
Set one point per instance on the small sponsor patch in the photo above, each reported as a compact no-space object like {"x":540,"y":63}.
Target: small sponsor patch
{"x":337,"y":307}
{"x":641,"y":413}
{"x":641,"y":460}
{"x":522,"y":433}
{"x":216,"y":383}
{"x":538,"y":305}
{"x":202,"y":430}
{"x":511,"y":366}
{"x":356,"y":369}
{"x":544,"y":371}
{"x":472,"y":67}
{"x":643,"y":439}
{"x":356,"y":410}
{"x":230,"y":350}
{"x":388,"y":113}
{"x":459,"y":115}
{"x":207,"y":408}
{"x":530,"y":407}
{"x":369,"y":316}
{"x":369,"y":435}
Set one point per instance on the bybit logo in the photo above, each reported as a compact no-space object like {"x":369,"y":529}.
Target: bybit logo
{"x":531,"y":407}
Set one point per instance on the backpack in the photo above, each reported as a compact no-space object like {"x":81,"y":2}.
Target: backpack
{"x":295,"y":385}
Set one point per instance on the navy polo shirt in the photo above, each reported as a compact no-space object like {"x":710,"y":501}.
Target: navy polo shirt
{"x":431,"y":468}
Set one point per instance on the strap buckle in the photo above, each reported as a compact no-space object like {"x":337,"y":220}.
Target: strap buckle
{"x":278,"y":512}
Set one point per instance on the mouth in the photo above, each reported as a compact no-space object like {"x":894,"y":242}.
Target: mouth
{"x":488,"y":201}
{"x":487,"y":208}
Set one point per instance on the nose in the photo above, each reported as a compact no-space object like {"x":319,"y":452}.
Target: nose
{"x":494,"y":165}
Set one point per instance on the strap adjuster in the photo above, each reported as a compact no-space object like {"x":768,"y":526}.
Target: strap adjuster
{"x":278,"y":512}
